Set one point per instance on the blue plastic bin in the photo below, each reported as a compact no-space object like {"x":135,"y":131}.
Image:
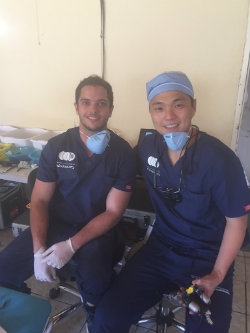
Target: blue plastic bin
{"x":17,"y":154}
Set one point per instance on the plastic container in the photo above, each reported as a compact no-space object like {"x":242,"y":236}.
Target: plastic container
{"x":5,"y":129}
{"x":3,"y":148}
{"x":17,"y":154}
{"x":22,"y":136}
{"x":40,"y":141}
{"x":35,"y":156}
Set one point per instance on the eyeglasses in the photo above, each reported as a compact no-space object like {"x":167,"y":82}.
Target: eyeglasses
{"x":171,"y":195}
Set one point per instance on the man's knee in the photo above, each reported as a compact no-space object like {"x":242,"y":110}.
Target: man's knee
{"x":16,"y":261}
{"x":111,"y":316}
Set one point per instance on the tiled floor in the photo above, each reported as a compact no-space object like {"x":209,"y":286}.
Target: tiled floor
{"x":75,"y":323}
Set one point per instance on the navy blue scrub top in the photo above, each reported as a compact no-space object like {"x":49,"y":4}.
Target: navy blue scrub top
{"x":213,"y":186}
{"x":83,"y":182}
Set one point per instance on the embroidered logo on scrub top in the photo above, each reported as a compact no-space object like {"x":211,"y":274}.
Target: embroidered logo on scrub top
{"x":153,"y":165}
{"x":153,"y":161}
{"x":66,"y":157}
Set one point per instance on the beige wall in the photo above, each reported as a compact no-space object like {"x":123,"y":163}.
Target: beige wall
{"x":47,"y":47}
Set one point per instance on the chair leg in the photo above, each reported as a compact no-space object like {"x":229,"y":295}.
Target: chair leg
{"x":145,"y":319}
{"x":64,"y":313}
{"x":176,"y":323}
{"x":70,"y":289}
{"x":164,"y":317}
{"x":61,"y":315}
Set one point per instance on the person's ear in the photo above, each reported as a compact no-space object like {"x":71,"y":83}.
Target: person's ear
{"x":76,"y":108}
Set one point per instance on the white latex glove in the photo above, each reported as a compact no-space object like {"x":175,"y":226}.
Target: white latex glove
{"x":59,"y":254}
{"x":43,"y":271}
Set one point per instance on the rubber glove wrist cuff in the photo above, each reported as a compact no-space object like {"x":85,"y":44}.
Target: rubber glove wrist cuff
{"x":39,"y":252}
{"x":70,"y":245}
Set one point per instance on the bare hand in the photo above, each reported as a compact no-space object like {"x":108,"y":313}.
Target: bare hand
{"x":208,"y":283}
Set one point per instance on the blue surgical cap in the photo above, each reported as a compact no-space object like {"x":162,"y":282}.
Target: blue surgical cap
{"x":169,"y":81}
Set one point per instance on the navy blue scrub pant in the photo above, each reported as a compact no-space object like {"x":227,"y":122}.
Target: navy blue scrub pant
{"x":154,"y":270}
{"x":93,"y":262}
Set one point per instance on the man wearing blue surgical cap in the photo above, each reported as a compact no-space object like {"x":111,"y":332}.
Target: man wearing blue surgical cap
{"x":201,"y":200}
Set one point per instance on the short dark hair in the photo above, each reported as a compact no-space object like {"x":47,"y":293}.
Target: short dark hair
{"x":94,"y":80}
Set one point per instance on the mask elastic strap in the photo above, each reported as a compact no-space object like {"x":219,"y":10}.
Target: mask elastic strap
{"x":83,"y":133}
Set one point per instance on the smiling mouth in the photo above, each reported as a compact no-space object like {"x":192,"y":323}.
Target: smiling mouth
{"x":92,"y":118}
{"x":170,"y":126}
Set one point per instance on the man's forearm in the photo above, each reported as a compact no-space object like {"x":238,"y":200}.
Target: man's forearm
{"x":95,"y":228}
{"x":116,"y":204}
{"x":39,"y":226}
{"x":232,"y":241}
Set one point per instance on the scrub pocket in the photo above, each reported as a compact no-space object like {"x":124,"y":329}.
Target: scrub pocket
{"x":199,"y":200}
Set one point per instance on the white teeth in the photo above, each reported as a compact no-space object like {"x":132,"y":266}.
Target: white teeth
{"x":170,"y":126}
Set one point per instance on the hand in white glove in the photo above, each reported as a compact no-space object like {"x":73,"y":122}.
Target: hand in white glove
{"x":42,"y":271}
{"x":59,"y":254}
